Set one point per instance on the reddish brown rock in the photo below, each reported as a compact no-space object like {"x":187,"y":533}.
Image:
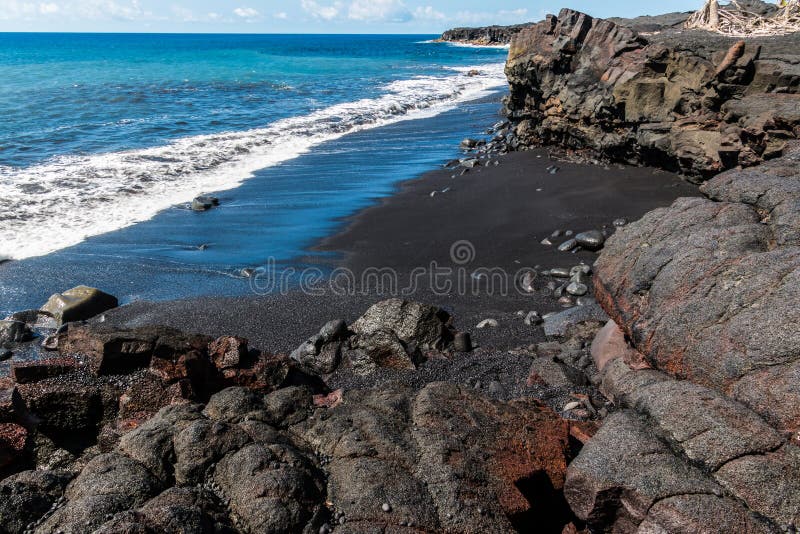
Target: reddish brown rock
{"x":147,"y":395}
{"x":13,"y":441}
{"x":583,"y":431}
{"x":62,"y":407}
{"x":265,"y":375}
{"x":610,"y":343}
{"x":331,"y":400}
{"x":228,"y":352}
{"x":120,"y":351}
{"x":446,"y":457}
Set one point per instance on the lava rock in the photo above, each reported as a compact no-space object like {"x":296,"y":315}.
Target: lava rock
{"x":78,"y":304}
{"x":14,"y":332}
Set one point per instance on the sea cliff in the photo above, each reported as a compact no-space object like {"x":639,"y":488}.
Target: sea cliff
{"x":485,"y":36}
{"x":690,"y":101}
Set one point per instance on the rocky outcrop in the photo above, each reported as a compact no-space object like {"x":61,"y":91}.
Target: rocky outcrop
{"x":443,"y":459}
{"x":688,"y":101}
{"x":487,"y":36}
{"x":680,"y":457}
{"x":705,"y":291}
{"x":155,"y":430}
{"x":707,"y":288}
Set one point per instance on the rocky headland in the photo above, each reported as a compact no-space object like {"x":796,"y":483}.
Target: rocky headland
{"x":690,"y":101}
{"x":485,"y":36}
{"x":663,"y":398}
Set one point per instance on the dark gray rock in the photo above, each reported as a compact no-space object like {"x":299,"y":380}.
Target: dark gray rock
{"x":462,"y":342}
{"x":558,"y":324}
{"x":591,"y":240}
{"x":109,"y":483}
{"x":706,"y":289}
{"x":28,"y":496}
{"x":567,"y":245}
{"x":272,"y":488}
{"x":322,"y":352}
{"x":488,"y":35}
{"x":204,"y":203}
{"x":233,"y":404}
{"x":14,"y":332}
{"x":626,"y":463}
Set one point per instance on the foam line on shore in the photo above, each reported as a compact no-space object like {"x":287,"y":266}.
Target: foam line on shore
{"x":61,"y":202}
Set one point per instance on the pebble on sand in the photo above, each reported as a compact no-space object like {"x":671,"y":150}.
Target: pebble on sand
{"x":591,"y":240}
{"x":577,"y":289}
{"x":488,"y":323}
{"x":568,"y":245}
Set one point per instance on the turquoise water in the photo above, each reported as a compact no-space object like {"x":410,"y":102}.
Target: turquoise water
{"x":105,"y":138}
{"x":133,"y":124}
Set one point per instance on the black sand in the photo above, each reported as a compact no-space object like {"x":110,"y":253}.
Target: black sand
{"x":503,"y":211}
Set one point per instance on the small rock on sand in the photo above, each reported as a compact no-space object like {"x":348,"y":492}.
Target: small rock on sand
{"x":591,"y":240}
{"x":488,"y":323}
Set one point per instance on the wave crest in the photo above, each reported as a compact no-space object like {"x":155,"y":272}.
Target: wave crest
{"x":61,"y":202}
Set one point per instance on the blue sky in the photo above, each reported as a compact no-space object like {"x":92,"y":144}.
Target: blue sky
{"x":298,"y":16}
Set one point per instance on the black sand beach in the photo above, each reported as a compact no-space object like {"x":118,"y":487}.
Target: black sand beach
{"x":577,"y":347}
{"x":503,"y":211}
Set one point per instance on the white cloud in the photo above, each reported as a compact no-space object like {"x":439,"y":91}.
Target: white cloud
{"x":12,"y":9}
{"x":246,"y":13}
{"x":325,"y":12}
{"x":282,"y":15}
{"x":48,"y":8}
{"x":110,"y":9}
{"x":379,"y":11}
{"x":429,"y":14}
{"x":503,"y":16}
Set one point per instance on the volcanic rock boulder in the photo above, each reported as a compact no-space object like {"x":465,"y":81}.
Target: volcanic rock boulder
{"x":443,"y":459}
{"x":680,"y":457}
{"x":428,"y":327}
{"x":14,"y":332}
{"x":78,"y":303}
{"x":689,"y":101}
{"x":30,"y":495}
{"x":393,"y":333}
{"x":707,"y":289}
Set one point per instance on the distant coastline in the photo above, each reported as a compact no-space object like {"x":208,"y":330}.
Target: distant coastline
{"x":483,"y":36}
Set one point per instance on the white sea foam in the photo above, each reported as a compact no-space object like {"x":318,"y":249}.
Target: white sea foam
{"x":465,"y":45}
{"x":471,"y":45}
{"x":60,"y":203}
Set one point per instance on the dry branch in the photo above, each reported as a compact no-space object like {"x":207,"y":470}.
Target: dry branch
{"x":736,"y":21}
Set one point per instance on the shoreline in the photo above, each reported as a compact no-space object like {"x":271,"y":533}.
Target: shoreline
{"x":373,"y":239}
{"x":512,"y":342}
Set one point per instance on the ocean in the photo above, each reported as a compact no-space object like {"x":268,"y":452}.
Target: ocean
{"x":106,"y":138}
